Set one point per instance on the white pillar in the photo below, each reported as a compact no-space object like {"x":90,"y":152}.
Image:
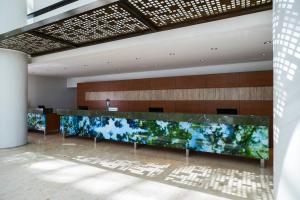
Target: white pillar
{"x":286,"y":63}
{"x":13,"y":79}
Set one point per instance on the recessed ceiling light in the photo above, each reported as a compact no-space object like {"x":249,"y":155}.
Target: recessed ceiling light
{"x":213,"y":48}
{"x":268,"y":42}
{"x":263,"y":54}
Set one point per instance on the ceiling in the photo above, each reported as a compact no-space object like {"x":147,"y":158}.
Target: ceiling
{"x":97,"y":23}
{"x":232,"y":40}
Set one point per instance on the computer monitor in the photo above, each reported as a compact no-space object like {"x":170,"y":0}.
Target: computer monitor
{"x":83,"y":107}
{"x":155,"y":109}
{"x":227,"y":111}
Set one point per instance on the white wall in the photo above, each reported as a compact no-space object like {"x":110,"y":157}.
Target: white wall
{"x":286,"y":39}
{"x":51,"y":92}
{"x":12,"y":15}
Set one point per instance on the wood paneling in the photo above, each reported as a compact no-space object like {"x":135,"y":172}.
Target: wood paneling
{"x":94,"y":86}
{"x":190,"y":82}
{"x":255,"y":79}
{"x":163,"y":83}
{"x":222,"y":80}
{"x":52,"y":122}
{"x":190,"y":106}
{"x":256,"y":108}
{"x":118,"y":85}
{"x":139,"y":84}
{"x":245,"y":79}
{"x":138,"y":106}
{"x":222,"y":88}
{"x":121,"y":105}
{"x":243,"y":93}
{"x":95,"y":104}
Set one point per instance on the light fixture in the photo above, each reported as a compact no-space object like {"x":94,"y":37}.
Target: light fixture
{"x":268,"y":42}
{"x":171,"y":54}
{"x":263,"y":54}
{"x":213,"y":49}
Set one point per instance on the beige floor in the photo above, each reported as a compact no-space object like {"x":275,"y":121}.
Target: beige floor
{"x":53,"y":168}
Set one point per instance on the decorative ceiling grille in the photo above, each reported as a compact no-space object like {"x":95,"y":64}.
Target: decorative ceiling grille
{"x":122,"y":19}
{"x":166,"y":12}
{"x":94,"y":25}
{"x":31,"y":44}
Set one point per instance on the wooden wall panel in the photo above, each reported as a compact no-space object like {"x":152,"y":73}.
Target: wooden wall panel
{"x":230,"y":83}
{"x":163,"y":83}
{"x":121,"y":105}
{"x":222,"y":80}
{"x":256,"y":108}
{"x":139,"y":84}
{"x":138,"y":106}
{"x":190,"y":82}
{"x":81,"y":97}
{"x":117,"y":85}
{"x":256,"y":79}
{"x":95,"y":104}
{"x":52,"y":122}
{"x":94,"y":86}
{"x":190,"y":106}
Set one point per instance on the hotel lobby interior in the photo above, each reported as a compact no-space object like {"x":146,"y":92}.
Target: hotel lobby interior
{"x":149,"y":99}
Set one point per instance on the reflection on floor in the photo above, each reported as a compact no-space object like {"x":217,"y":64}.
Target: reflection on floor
{"x":55,"y":168}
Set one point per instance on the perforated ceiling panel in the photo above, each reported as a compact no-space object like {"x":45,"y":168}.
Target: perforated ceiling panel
{"x":121,"y":19}
{"x":31,"y":44}
{"x":166,"y":12}
{"x":102,"y":23}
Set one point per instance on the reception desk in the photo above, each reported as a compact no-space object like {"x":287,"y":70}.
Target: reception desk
{"x":43,"y":122}
{"x":245,"y":136}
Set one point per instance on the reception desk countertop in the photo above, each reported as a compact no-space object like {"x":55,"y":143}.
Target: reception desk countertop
{"x":176,"y":117}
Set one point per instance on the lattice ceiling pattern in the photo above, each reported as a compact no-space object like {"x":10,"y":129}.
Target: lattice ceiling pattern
{"x":122,"y":19}
{"x":94,"y":25}
{"x":165,"y":12}
{"x":31,"y":44}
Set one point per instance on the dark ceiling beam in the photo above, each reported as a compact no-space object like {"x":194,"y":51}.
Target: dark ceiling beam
{"x":45,"y":36}
{"x":137,"y":14}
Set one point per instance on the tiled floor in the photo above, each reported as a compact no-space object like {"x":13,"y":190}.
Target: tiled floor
{"x":53,"y":168}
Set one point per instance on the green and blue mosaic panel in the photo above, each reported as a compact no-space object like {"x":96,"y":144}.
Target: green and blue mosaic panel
{"x":36,"y":121}
{"x":241,"y":140}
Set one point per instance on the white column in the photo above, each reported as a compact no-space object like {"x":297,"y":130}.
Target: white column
{"x":286,"y":63}
{"x":13,"y":79}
